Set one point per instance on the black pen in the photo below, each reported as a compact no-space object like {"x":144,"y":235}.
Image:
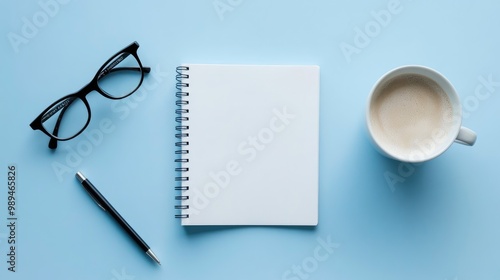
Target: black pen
{"x":106,"y":206}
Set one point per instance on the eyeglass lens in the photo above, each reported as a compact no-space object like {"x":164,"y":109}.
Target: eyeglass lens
{"x":121,"y":76}
{"x":75,"y":117}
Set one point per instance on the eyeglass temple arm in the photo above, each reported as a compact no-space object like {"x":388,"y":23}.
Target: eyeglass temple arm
{"x":112,"y":66}
{"x":53,"y":141}
{"x":144,"y":69}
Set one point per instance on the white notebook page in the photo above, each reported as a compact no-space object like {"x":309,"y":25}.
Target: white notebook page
{"x":253,"y":145}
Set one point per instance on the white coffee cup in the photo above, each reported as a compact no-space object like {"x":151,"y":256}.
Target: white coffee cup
{"x":414,"y":115}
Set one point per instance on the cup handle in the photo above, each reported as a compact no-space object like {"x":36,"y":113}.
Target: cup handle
{"x":466,"y":136}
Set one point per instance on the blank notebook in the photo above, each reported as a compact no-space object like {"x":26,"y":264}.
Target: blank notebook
{"x":247,"y":145}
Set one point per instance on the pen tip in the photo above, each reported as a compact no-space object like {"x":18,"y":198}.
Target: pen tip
{"x":153,"y":256}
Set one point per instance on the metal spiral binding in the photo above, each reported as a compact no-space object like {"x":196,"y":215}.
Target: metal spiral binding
{"x":182,"y":134}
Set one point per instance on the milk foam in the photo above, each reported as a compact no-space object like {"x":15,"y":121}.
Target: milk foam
{"x":411,"y":113}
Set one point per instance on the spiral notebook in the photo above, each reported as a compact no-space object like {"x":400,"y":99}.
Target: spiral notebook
{"x":247,"y":145}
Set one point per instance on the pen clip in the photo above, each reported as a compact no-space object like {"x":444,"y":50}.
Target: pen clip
{"x":95,"y":200}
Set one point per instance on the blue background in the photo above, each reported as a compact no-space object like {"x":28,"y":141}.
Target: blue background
{"x":439,"y":220}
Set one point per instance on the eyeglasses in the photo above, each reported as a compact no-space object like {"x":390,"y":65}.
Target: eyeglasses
{"x":118,"y":77}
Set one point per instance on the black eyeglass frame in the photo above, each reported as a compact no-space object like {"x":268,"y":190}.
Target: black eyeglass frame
{"x":81,"y":94}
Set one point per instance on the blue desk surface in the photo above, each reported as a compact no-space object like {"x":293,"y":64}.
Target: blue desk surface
{"x":439,"y":220}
